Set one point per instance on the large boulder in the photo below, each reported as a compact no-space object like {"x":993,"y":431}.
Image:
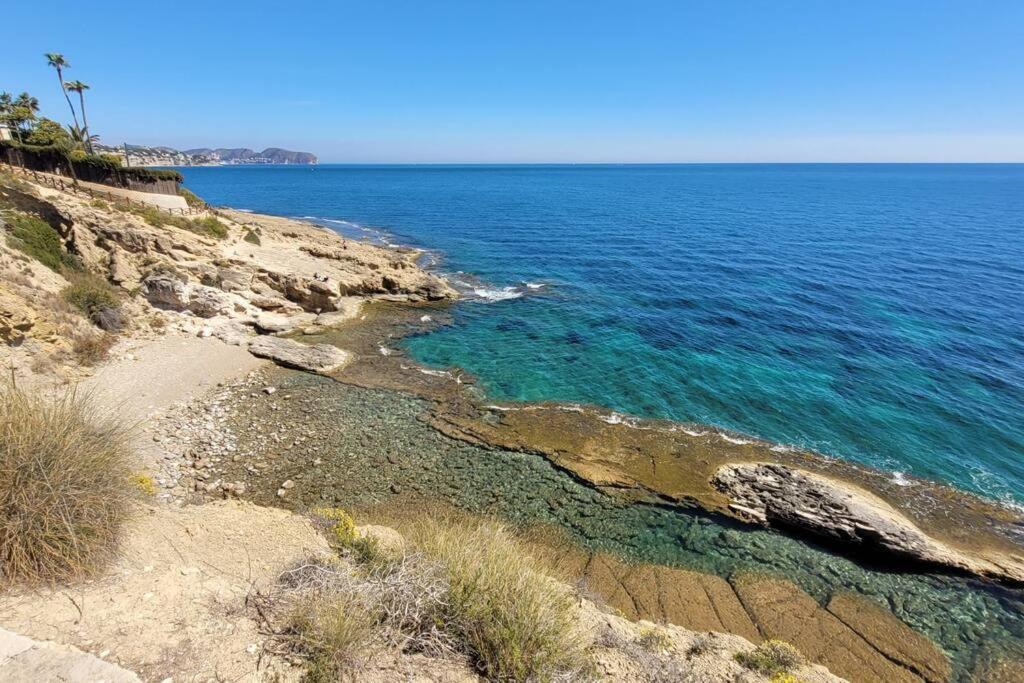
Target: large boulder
{"x":166,"y":290}
{"x":292,"y":354}
{"x":207,"y":302}
{"x":788,"y":498}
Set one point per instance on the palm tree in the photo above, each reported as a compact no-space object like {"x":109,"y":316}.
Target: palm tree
{"x":57,"y":61}
{"x":81,"y":137}
{"x":21,"y":111}
{"x":80,"y":88}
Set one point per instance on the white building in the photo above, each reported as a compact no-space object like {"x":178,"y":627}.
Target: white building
{"x":5,"y":131}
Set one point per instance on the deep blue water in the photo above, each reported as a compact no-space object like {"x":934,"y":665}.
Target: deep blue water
{"x":872,"y":312}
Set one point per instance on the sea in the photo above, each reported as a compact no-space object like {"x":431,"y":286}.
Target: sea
{"x":869,"y":312}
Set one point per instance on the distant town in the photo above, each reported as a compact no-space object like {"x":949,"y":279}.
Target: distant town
{"x":141,"y":155}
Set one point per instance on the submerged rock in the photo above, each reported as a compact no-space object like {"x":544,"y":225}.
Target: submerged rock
{"x":292,"y":354}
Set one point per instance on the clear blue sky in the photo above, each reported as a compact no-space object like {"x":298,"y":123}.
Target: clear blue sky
{"x":721,"y":80}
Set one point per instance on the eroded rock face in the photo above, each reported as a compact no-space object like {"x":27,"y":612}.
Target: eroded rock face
{"x":164,"y":290}
{"x":292,"y":354}
{"x":781,"y":496}
{"x":206,"y":302}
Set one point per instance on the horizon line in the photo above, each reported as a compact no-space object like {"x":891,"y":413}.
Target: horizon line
{"x":621,"y":163}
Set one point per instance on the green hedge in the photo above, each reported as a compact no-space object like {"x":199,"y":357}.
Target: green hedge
{"x":50,"y":159}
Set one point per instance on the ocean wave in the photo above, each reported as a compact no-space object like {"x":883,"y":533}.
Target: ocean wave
{"x":440,"y":373}
{"x":425,"y":319}
{"x":497,"y":294}
{"x":734,"y":440}
{"x":535,"y":285}
{"x":900,"y":479}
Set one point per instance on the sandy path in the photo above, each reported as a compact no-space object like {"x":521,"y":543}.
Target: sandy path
{"x":150,"y":376}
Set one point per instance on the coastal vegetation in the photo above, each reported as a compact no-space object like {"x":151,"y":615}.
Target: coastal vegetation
{"x":96,"y":299}
{"x":64,"y":489}
{"x":31,"y":235}
{"x":453,"y":586}
{"x":207,"y":226}
{"x":44,"y":145}
{"x":772,"y":657}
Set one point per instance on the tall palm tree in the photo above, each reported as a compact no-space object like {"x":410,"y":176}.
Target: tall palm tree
{"x":57,"y":61}
{"x":80,"y":88}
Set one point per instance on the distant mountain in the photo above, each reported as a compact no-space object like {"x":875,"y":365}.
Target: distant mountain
{"x":142,"y":155}
{"x":244,"y":155}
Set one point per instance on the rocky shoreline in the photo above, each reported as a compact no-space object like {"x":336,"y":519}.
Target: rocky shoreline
{"x":373,"y":431}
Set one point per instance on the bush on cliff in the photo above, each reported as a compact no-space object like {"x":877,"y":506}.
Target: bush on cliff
{"x":34,"y":236}
{"x":191,"y":198}
{"x":207,"y":225}
{"x":96,"y":299}
{"x":772,"y":657}
{"x":64,"y":486}
{"x":457,"y":586}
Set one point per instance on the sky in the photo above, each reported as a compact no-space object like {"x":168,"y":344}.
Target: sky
{"x":524,"y":81}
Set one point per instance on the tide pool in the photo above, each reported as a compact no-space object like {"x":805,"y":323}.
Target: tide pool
{"x":870,"y":312}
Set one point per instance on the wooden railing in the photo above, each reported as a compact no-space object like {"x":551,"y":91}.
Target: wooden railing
{"x":65,"y":184}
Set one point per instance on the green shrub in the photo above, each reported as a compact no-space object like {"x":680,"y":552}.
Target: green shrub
{"x":96,"y":299}
{"x":191,"y":198}
{"x":514,"y":620}
{"x":251,"y":237}
{"x":454,"y":586}
{"x":335,"y":632}
{"x":34,"y":236}
{"x":64,"y":489}
{"x":771,"y":657}
{"x":99,"y":204}
{"x":115,"y":159}
{"x":207,"y":225}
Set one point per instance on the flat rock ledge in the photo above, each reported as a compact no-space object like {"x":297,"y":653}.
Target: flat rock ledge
{"x":776,"y":495}
{"x":292,"y":354}
{"x":24,"y":659}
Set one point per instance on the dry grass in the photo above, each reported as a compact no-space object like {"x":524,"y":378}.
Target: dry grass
{"x":64,"y":491}
{"x":460,"y":589}
{"x":772,"y":657}
{"x":514,"y":620}
{"x":92,"y":348}
{"x":335,"y":632}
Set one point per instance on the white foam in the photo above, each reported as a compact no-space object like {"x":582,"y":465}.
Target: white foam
{"x":441,"y":373}
{"x":900,"y":479}
{"x":693,"y":433}
{"x":534,"y":285}
{"x":425,"y":319}
{"x":782,"y":448}
{"x":497,"y":294}
{"x":613,"y":419}
{"x":384,"y":351}
{"x":731,"y":439}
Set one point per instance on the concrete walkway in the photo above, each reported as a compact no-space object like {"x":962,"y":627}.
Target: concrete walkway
{"x":25,"y":660}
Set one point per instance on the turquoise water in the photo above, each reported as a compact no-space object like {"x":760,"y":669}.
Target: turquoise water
{"x":872,"y":312}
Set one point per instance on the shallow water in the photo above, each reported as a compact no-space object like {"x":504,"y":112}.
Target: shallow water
{"x":374,"y":450}
{"x":873,"y":312}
